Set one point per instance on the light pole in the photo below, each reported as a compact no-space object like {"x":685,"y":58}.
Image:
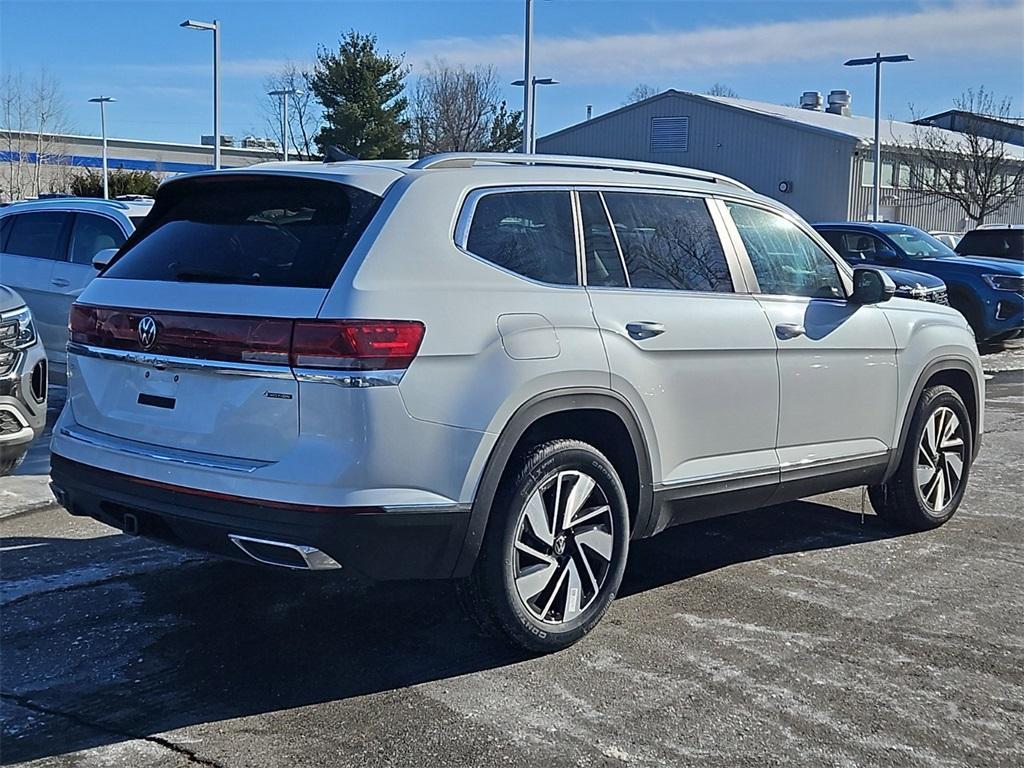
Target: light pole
{"x":877,"y":60}
{"x":284,"y":93}
{"x":527,"y":78}
{"x":214,"y":27}
{"x":530,"y":129}
{"x":103,"y":101}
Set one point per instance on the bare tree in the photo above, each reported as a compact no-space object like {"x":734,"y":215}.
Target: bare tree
{"x":455,"y":109}
{"x":975,"y":166}
{"x":640,"y":92}
{"x":721,"y":89}
{"x":304,"y":114}
{"x":34,"y":113}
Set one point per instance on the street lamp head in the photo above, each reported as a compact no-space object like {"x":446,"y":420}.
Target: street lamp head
{"x":286,"y":92}
{"x":102,"y":100}
{"x":545,"y":81}
{"x":193,"y":24}
{"x":878,"y":58}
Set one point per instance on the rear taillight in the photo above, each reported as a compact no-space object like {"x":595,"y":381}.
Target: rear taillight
{"x":351,"y":345}
{"x":356,"y":345}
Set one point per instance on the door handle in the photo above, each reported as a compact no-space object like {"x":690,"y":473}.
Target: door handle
{"x":789,"y":330}
{"x":644,"y":329}
{"x":60,"y":282}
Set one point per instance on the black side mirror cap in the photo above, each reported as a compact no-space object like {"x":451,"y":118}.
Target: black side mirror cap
{"x":871,"y":286}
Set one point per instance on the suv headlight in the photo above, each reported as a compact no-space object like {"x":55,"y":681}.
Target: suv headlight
{"x":1005,"y":282}
{"x":17,"y":330}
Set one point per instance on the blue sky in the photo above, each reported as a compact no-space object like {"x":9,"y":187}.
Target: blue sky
{"x":768,"y":50}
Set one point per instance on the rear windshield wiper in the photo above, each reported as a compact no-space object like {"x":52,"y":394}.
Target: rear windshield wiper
{"x":209,"y":276}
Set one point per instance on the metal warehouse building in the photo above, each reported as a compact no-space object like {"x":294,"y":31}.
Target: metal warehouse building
{"x":817,"y":161}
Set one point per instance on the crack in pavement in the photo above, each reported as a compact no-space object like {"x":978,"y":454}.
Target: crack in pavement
{"x":26,"y":703}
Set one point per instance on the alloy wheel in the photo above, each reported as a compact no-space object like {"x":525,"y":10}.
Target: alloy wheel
{"x":564,"y":544}
{"x":940,"y":459}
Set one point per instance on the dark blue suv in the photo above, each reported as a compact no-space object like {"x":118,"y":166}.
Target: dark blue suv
{"x":988,"y":292}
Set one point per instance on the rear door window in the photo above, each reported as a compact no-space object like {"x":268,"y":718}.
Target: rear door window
{"x":785,"y":260}
{"x":528,"y":232}
{"x":92,"y":234}
{"x":669,"y":242}
{"x":39,"y":235}
{"x":258,"y":230}
{"x":1005,"y":244}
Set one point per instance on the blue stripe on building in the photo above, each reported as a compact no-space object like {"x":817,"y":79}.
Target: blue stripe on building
{"x":87,"y":161}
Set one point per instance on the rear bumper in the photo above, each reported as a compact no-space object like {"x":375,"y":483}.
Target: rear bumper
{"x":377,"y":543}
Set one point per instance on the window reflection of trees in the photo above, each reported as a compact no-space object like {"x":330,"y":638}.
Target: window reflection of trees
{"x":530,"y":233}
{"x":669,"y":242}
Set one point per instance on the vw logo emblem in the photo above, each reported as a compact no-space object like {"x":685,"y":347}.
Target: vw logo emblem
{"x":147,"y":332}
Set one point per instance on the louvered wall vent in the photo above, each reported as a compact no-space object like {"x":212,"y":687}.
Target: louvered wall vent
{"x":670,"y":134}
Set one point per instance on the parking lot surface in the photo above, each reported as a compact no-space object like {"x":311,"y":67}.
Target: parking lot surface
{"x":804,"y":634}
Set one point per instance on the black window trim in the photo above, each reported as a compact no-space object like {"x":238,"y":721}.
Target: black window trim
{"x":844,"y":269}
{"x":468,"y":210}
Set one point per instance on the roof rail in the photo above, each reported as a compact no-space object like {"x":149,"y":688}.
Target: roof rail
{"x":469,"y":159}
{"x":58,"y":201}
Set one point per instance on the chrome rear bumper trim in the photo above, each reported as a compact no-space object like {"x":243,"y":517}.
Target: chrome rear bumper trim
{"x":159,"y":453}
{"x":167,"y":362}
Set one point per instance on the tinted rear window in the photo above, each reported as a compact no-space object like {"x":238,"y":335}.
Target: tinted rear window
{"x":1001,"y":243}
{"x":257,"y":230}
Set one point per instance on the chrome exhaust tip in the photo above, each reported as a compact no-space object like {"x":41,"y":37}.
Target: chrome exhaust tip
{"x":283,"y":555}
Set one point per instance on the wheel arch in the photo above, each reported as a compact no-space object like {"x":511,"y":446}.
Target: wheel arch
{"x":586,"y":414}
{"x":958,"y":374}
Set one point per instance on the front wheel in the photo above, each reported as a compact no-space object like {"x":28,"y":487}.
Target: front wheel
{"x":932,"y":475}
{"x":555,"y":549}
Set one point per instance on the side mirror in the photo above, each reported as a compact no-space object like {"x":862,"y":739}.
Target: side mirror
{"x":101,"y":259}
{"x":871,"y":286}
{"x":887,"y":256}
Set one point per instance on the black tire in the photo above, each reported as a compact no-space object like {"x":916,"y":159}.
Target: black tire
{"x":902,"y":500}
{"x":491,"y":594}
{"x":9,"y":464}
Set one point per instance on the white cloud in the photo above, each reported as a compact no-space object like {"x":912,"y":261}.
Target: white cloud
{"x":993,"y":29}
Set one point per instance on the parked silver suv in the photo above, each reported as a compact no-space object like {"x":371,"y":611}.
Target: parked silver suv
{"x":498,"y":369}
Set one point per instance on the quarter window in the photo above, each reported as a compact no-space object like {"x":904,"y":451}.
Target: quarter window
{"x":526,"y":232}
{"x":785,"y":260}
{"x":669,"y":242}
{"x":604,"y":265}
{"x":37,"y":234}
{"x":92,"y":234}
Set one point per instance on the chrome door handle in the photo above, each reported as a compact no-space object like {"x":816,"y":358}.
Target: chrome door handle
{"x":789,"y":330}
{"x":60,"y":282}
{"x":644,"y":329}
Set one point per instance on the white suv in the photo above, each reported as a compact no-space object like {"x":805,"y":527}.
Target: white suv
{"x":494,"y":368}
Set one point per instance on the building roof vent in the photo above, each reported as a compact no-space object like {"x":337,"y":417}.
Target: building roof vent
{"x":839,"y":102}
{"x":811,"y":100}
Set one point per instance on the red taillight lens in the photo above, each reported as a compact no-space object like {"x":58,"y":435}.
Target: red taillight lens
{"x":356,"y":345}
{"x":205,"y":337}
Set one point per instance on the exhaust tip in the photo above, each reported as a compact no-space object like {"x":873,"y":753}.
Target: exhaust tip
{"x":284,"y":555}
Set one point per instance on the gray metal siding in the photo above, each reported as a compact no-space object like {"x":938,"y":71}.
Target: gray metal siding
{"x":752,"y":148}
{"x":909,"y":206}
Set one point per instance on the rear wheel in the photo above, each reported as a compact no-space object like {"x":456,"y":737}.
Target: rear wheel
{"x":555,"y":549}
{"x":930,"y":481}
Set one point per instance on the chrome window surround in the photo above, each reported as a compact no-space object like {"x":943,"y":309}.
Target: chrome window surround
{"x":740,"y":282}
{"x":468,"y":210}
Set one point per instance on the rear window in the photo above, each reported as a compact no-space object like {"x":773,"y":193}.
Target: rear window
{"x":248,"y":230}
{"x":1000,"y":243}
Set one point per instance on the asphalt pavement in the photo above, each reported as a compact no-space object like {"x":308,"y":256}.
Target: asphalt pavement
{"x":803,"y":634}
